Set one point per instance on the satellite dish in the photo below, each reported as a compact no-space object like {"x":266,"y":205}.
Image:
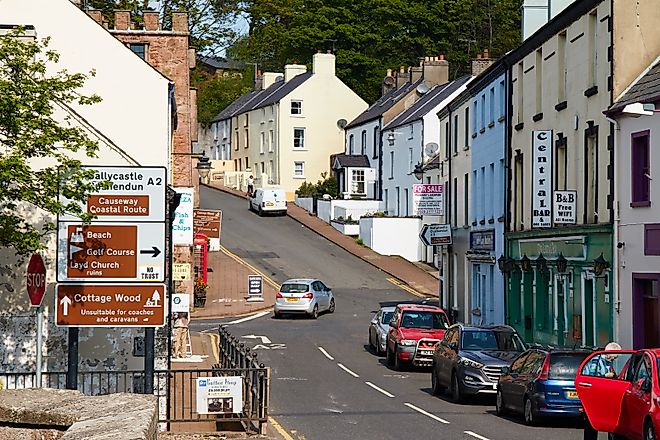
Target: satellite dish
{"x":388,"y":81}
{"x":422,"y":88}
{"x":342,"y":123}
{"x":431,"y":148}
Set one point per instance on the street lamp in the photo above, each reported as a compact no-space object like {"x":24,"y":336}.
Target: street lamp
{"x":541,"y":263}
{"x":419,"y":171}
{"x":203,"y":166}
{"x":390,"y":138}
{"x":600,"y":264}
{"x":525,"y":263}
{"x":562,"y":263}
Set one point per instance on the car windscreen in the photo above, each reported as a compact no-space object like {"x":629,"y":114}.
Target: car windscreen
{"x":424,"y":320}
{"x":491,"y":340}
{"x":564,"y":366}
{"x":294,"y":288}
{"x":387,"y":317}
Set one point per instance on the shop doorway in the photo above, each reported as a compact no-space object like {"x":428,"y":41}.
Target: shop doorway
{"x":646,"y":322}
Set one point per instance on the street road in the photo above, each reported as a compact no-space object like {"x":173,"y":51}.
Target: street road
{"x":326,"y":384}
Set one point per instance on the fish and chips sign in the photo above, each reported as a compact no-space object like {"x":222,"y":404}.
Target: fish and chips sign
{"x":428,"y":199}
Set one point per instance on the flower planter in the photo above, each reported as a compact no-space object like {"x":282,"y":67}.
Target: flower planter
{"x":199,"y":301}
{"x":346,"y":228}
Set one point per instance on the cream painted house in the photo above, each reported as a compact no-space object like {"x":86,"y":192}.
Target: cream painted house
{"x":133,"y":126}
{"x":285,"y":133}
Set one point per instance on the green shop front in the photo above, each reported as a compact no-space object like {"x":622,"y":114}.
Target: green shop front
{"x":559,"y":285}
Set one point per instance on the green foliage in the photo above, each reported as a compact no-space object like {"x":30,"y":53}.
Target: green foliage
{"x":214,"y":93}
{"x":36,"y":149}
{"x":369,"y":36}
{"x":359,"y":241}
{"x":326,"y":186}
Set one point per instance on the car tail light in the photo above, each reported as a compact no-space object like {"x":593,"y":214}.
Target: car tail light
{"x":278,"y":295}
{"x":545,"y":370}
{"x":308,"y":295}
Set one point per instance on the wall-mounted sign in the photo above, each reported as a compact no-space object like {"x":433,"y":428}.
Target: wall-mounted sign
{"x":207,"y":222}
{"x":482,"y":240}
{"x":220,"y":395}
{"x":428,"y":199}
{"x":435,"y":235}
{"x":181,"y":271}
{"x":565,"y":207}
{"x":180,"y":303}
{"x":182,"y":227}
{"x":542,"y":179}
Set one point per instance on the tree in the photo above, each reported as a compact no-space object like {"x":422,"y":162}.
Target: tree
{"x":36,"y":149}
{"x":214,"y":92}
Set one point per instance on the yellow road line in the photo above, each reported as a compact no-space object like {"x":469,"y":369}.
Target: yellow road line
{"x":407,"y":288}
{"x":248,"y":265}
{"x":279,"y":429}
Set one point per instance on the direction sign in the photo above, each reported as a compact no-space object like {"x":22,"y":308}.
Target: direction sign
{"x":135,"y":194}
{"x":207,"y":222}
{"x":36,"y":280}
{"x":436,"y":234}
{"x":102,"y":305}
{"x":105,"y":252}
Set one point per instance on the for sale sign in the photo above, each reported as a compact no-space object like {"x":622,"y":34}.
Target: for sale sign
{"x":428,"y":199}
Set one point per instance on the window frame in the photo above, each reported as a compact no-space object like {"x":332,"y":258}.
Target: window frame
{"x":301,"y":146}
{"x":295,"y":171}
{"x":145,"y":49}
{"x":291,"y":109}
{"x":639,"y":177}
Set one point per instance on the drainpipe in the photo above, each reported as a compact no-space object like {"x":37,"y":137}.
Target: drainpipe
{"x":615,"y":236}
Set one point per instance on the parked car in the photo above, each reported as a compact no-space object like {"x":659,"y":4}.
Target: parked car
{"x":304,"y":295}
{"x":268,"y":200}
{"x":620,"y":394}
{"x":540,"y":383}
{"x":414,"y":332}
{"x":469,"y":359}
{"x":378,"y":328}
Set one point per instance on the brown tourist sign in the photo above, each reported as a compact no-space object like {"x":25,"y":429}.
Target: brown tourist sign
{"x":207,"y":222}
{"x":102,"y":305}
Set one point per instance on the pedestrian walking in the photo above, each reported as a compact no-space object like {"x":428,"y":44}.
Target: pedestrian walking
{"x":180,"y":335}
{"x":250,"y":185}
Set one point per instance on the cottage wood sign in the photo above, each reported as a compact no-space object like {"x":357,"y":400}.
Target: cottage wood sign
{"x":542,"y":179}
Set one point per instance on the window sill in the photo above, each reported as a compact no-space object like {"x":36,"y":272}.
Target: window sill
{"x":298,"y":177}
{"x":474,"y":223}
{"x":561,"y":106}
{"x":491,"y":124}
{"x":455,"y":153}
{"x":491,"y":221}
{"x":482,"y":222}
{"x":500,"y":219}
{"x":297,"y":116}
{"x":645,"y":204}
{"x":466,"y":148}
{"x":300,"y":149}
{"x":591,"y":91}
{"x":537,"y":117}
{"x":519,"y":126}
{"x":482,"y":130}
{"x":466,"y":226}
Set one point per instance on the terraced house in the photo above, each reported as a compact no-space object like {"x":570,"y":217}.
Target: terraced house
{"x":560,"y":283}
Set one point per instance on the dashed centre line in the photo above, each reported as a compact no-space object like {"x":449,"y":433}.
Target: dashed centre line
{"x":475,"y":435}
{"x":380,"y":390}
{"x":427,"y":414}
{"x":352,"y":373}
{"x":325,"y":353}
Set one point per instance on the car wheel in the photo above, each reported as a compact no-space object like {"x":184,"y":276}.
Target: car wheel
{"x":455,"y":389}
{"x":260,"y":212}
{"x":277,"y":315}
{"x":436,"y":388}
{"x":388,"y":352}
{"x":398,"y":364}
{"x":530,"y":417}
{"x":649,"y":432}
{"x":500,"y":410}
{"x":332,"y":306}
{"x":315,"y":312}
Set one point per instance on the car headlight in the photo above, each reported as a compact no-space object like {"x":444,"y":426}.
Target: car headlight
{"x":470,"y":363}
{"x":408,"y":342}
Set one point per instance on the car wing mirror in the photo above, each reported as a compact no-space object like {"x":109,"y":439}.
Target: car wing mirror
{"x":393,"y":323}
{"x":644,"y":384}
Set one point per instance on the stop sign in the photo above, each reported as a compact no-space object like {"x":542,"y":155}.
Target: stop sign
{"x":36,"y":280}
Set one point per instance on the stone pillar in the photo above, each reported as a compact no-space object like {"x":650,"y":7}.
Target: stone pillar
{"x":122,"y":20}
{"x":96,"y":16}
{"x":151,"y":21}
{"x":180,"y":22}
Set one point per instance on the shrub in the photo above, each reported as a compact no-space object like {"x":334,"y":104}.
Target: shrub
{"x":326,"y":186}
{"x":359,"y":241}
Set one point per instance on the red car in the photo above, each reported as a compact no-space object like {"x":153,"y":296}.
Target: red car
{"x":620,"y":393}
{"x":414,"y":332}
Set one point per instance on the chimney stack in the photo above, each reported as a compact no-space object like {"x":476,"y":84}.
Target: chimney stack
{"x":481,"y":63}
{"x":95,"y":15}
{"x":122,"y":20}
{"x":323,"y":64}
{"x":402,"y":77}
{"x":269,"y":78}
{"x":180,"y":22}
{"x":389,"y":82}
{"x":293,"y":70}
{"x":151,"y":20}
{"x":436,"y":70}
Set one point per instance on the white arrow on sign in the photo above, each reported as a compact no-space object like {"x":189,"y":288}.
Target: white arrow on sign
{"x":264,"y":339}
{"x":65,"y":305}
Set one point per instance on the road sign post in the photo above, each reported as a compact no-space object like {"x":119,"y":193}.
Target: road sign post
{"x":36,"y":289}
{"x":436,"y":235}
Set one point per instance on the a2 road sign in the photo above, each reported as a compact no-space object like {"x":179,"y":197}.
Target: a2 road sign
{"x":102,"y":305}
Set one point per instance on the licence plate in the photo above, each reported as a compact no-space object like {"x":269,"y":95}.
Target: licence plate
{"x":269,"y":203}
{"x":571,"y":394}
{"x":292,"y":300}
{"x":426,"y":352}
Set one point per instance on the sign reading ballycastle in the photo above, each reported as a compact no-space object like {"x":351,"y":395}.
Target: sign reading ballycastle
{"x":100,"y":305}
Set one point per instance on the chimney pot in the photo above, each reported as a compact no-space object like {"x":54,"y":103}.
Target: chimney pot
{"x":96,"y":16}
{"x":328,"y":51}
{"x":122,"y":20}
{"x":486,"y":53}
{"x":478,"y":56}
{"x":389,"y":72}
{"x":402,"y":69}
{"x":442,"y":57}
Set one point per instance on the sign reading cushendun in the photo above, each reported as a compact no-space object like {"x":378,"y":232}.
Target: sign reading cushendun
{"x":542,"y":179}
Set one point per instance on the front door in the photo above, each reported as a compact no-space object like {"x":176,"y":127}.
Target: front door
{"x":646,"y":323}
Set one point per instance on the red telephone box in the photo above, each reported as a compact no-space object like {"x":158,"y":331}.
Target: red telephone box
{"x":201,"y":257}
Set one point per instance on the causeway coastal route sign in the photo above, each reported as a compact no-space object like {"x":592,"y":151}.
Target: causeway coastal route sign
{"x":98,"y":305}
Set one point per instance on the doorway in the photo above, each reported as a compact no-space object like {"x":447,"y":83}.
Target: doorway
{"x":646,"y":322}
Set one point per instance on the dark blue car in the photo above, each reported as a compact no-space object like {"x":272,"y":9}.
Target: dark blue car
{"x":539,"y":383}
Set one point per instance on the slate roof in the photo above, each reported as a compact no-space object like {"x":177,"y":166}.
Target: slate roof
{"x":383,"y":104}
{"x":646,"y":89}
{"x":234,"y":108}
{"x":431,"y":99}
{"x":221,"y":63}
{"x":351,"y":161}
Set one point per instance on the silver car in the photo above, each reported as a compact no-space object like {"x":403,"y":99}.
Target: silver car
{"x":304,"y":295}
{"x":380,"y":325}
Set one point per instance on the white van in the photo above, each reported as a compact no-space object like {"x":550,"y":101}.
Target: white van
{"x":267,"y":200}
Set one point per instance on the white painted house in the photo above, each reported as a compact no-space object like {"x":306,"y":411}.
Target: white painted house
{"x":133,"y":126}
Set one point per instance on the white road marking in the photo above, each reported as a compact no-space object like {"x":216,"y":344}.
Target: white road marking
{"x":264,"y":339}
{"x":325,"y":353}
{"x":248,"y":318}
{"x":390,"y":395}
{"x":347,"y":370}
{"x":426,"y":413}
{"x":475,"y":435}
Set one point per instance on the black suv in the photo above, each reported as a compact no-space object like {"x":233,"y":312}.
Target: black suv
{"x":469,"y":359}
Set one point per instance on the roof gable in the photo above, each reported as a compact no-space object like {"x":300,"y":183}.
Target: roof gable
{"x":384,"y":103}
